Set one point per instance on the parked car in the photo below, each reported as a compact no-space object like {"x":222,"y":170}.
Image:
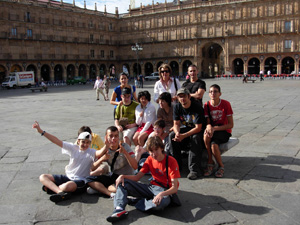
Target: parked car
{"x":152,"y":76}
{"x":76,"y":80}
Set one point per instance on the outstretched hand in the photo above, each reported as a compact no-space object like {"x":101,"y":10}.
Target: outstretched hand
{"x":36,"y":126}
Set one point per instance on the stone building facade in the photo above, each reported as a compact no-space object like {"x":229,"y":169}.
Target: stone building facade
{"x":58,"y":40}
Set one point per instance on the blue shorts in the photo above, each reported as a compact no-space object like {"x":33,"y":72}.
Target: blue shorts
{"x":106,"y":180}
{"x":61,"y":179}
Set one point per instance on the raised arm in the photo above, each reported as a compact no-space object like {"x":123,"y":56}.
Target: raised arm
{"x":50,"y":137}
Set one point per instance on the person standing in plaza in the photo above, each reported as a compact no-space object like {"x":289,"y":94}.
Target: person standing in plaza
{"x":99,"y":86}
{"x":218,"y":113}
{"x":141,"y":81}
{"x":166,"y":83}
{"x":261,"y":74}
{"x":196,"y":86}
{"x":106,"y":83}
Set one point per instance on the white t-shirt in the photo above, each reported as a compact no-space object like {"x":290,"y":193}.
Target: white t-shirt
{"x":148,"y":118}
{"x":159,"y":88}
{"x":80,"y":161}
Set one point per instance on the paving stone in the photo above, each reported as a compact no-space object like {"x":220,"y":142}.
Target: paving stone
{"x":261,"y":183}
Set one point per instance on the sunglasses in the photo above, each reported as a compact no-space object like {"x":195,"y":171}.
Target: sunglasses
{"x":165,"y":71}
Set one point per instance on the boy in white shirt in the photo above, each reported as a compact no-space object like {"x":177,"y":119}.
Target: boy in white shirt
{"x":79,"y":167}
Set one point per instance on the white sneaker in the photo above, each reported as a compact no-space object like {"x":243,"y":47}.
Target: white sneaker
{"x":91,"y":191}
{"x":112,"y":195}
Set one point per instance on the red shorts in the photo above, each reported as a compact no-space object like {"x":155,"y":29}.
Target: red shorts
{"x":149,"y":131}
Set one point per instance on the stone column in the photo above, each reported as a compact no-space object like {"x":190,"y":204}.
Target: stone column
{"x":279,"y":68}
{"x":180,"y":69}
{"x":38,"y":74}
{"x":64,"y":74}
{"x":51,"y":74}
{"x":87,"y":72}
{"x":245,"y":67}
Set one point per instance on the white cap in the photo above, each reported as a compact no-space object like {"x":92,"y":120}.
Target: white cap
{"x":85,"y":135}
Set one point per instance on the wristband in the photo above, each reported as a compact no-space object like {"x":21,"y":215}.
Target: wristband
{"x":42,"y":134}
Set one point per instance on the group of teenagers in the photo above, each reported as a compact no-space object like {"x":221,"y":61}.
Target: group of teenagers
{"x":111,"y":168}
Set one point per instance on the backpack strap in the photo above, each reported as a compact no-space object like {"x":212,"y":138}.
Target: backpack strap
{"x":208,"y":110}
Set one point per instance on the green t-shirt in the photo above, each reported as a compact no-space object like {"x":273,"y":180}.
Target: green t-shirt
{"x":127,"y":111}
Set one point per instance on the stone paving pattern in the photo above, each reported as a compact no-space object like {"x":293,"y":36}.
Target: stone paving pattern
{"x":261,"y":183}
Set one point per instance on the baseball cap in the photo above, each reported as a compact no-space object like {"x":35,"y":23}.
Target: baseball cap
{"x":85,"y":135}
{"x":126,"y":90}
{"x":183,"y":91}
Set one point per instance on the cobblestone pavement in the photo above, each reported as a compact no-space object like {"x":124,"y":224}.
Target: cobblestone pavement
{"x":261,"y":183}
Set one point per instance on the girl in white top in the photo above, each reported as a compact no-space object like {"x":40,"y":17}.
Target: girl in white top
{"x":166,"y":83}
{"x":145,"y":114}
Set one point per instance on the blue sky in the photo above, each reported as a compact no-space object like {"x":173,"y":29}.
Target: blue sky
{"x":111,"y":5}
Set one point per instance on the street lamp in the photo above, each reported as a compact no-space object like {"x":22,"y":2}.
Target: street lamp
{"x":137,"y":48}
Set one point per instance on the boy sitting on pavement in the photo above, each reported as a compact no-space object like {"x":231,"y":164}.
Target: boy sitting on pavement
{"x":218,"y":130}
{"x":158,"y":130}
{"x":121,"y":160}
{"x":156,"y":195}
{"x":97,"y":144}
{"x":81,"y":162}
{"x":126,"y":110}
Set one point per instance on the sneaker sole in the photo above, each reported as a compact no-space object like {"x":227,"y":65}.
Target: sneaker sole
{"x":119,"y":216}
{"x":58,"y":198}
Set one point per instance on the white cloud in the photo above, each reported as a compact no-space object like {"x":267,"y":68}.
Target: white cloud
{"x":111,"y":5}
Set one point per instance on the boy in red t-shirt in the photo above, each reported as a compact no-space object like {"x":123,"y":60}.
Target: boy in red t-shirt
{"x":218,"y":113}
{"x":156,"y":195}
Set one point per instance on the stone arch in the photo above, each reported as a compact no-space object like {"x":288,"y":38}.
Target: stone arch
{"x":271,"y":64}
{"x":148,"y":68}
{"x":102,"y":69}
{"x":45,"y":72}
{"x":158,"y":65}
{"x":253,"y":66}
{"x":16,"y":68}
{"x":212,"y":60}
{"x":82,"y":70}
{"x":2,"y":73}
{"x":137,"y":69}
{"x":238,"y":66}
{"x":93,"y":71}
{"x":58,"y":72}
{"x":70,"y":72}
{"x":175,"y":68}
{"x":185,"y":66}
{"x":287,"y":65}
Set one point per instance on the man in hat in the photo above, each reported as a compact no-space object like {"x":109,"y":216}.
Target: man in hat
{"x":189,"y":120}
{"x":126,"y":110}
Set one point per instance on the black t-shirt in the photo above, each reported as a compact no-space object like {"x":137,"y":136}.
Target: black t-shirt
{"x":191,"y":116}
{"x":193,"y":87}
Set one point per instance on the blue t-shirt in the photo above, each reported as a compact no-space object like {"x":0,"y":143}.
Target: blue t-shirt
{"x":118,"y":91}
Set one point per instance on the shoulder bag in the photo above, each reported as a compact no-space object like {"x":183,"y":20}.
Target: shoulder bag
{"x":175,"y":201}
{"x":123,"y":121}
